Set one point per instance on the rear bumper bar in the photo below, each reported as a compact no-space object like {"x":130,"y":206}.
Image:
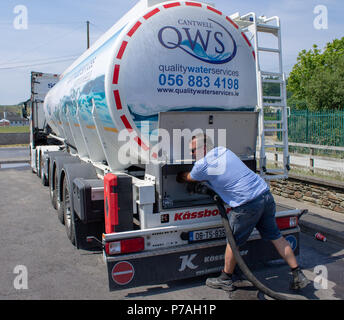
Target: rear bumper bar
{"x":181,"y":228}
{"x":187,"y":261}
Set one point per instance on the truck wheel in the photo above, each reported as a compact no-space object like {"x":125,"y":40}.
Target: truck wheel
{"x":52,"y":176}
{"x":56,"y":163}
{"x":75,"y":228}
{"x":39,"y":164}
{"x":30,"y":149}
{"x":45,"y":181}
{"x":60,"y":204}
{"x":68,"y":212}
{"x":36,"y":162}
{"x":53,"y":190}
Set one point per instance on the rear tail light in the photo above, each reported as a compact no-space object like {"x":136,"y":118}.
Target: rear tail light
{"x":287,"y":222}
{"x":125,"y":246}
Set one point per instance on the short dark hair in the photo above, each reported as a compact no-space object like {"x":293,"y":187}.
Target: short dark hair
{"x":207,"y":141}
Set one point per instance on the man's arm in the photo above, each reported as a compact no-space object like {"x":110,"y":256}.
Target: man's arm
{"x":184,"y":177}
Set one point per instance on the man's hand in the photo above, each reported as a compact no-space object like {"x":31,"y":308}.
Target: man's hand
{"x":181,"y":177}
{"x":184,"y":177}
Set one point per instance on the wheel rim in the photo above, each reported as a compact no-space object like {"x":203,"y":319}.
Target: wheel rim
{"x":67,"y":211}
{"x":51,"y":183}
{"x":36,"y":162}
{"x":54,"y":187}
{"x":41,"y":166}
{"x":55,"y":192}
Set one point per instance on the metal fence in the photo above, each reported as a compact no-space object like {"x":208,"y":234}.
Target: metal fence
{"x":320,"y":128}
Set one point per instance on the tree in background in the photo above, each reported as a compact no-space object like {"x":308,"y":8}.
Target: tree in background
{"x":317,"y":79}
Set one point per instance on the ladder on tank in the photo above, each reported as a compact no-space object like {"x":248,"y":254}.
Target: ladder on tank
{"x":253,"y":27}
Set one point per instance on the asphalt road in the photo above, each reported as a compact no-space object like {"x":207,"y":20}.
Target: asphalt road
{"x":14,"y":153}
{"x":34,"y":242}
{"x":32,"y":238}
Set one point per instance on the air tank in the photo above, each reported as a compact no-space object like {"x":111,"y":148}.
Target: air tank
{"x":161,"y":56}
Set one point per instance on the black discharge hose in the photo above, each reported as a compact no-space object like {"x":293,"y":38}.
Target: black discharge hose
{"x":203,"y":189}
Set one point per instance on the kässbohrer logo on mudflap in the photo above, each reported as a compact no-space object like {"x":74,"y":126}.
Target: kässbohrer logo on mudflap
{"x":187,"y":215}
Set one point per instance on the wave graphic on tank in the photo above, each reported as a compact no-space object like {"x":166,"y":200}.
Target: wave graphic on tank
{"x":83,"y":98}
{"x":200,"y":53}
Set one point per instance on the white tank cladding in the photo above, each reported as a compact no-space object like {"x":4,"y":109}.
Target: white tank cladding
{"x":172,"y":56}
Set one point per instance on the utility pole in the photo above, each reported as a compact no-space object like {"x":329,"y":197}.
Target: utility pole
{"x":88,"y":34}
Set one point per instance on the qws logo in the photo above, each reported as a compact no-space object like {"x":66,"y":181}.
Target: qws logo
{"x":207,"y":41}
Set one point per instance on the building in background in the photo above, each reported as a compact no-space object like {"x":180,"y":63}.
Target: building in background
{"x":4,"y":123}
{"x":12,"y":119}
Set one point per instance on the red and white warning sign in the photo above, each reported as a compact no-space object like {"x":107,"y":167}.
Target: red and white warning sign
{"x":123,"y":272}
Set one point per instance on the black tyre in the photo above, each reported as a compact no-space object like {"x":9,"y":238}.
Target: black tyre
{"x":60,"y":204}
{"x":68,"y":212}
{"x":53,"y":189}
{"x":39,"y":165}
{"x":36,"y":163}
{"x":56,"y":163}
{"x":30,"y":151}
{"x":76,"y":230}
{"x":45,"y":181}
{"x":52,"y":177}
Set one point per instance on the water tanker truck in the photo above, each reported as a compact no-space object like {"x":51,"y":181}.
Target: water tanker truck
{"x":117,"y":127}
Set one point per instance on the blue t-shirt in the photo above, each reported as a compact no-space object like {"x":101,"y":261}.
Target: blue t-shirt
{"x":229,"y":177}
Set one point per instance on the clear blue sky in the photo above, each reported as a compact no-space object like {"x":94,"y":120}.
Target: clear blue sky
{"x":56,"y":33}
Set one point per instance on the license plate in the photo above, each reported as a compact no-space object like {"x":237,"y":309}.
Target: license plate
{"x":207,"y":234}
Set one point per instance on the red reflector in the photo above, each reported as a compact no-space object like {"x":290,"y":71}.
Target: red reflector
{"x":287,"y":222}
{"x":132,"y":245}
{"x":125,"y":246}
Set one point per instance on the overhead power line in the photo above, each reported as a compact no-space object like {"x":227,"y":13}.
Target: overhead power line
{"x":42,"y":60}
{"x":42,"y":44}
{"x":44,"y":23}
{"x":38,"y":64}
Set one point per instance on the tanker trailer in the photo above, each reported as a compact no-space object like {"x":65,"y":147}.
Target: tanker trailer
{"x":125,"y":112}
{"x":179,"y":56}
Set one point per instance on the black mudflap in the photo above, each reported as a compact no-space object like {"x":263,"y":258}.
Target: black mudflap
{"x":134,"y":271}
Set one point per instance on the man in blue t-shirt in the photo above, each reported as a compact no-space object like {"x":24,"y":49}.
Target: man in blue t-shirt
{"x":252,"y":205}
